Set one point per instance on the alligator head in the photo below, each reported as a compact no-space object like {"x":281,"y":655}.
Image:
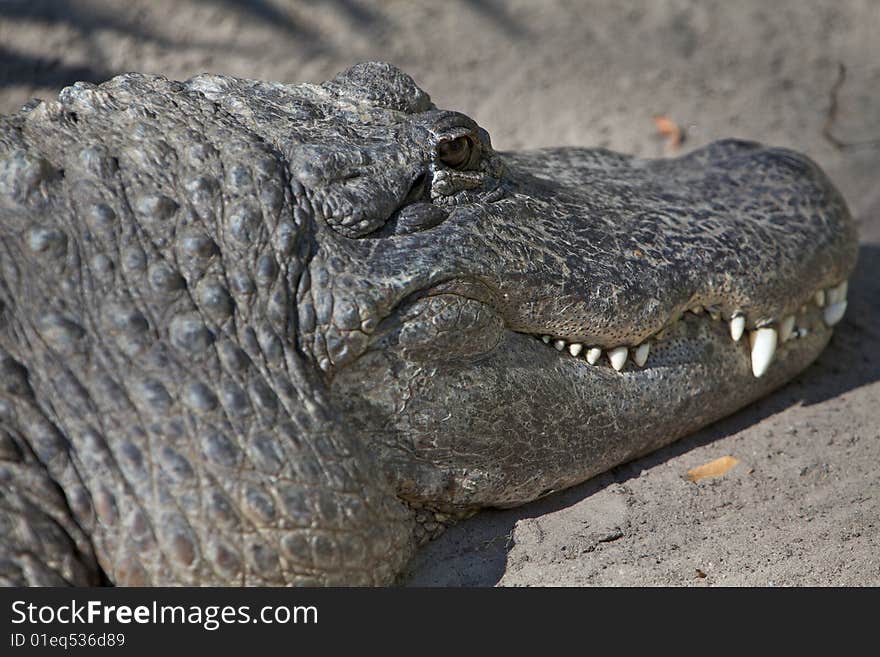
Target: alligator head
{"x":500,"y":325}
{"x":240,"y":320}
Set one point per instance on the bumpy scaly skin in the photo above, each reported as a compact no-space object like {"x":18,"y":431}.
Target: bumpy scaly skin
{"x":253,"y":333}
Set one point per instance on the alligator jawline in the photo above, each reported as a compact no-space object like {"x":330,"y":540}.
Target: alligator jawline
{"x":764,"y":334}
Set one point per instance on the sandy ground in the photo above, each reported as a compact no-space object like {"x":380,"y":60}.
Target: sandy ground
{"x":802,"y":507}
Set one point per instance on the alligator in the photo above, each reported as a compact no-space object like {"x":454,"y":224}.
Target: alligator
{"x":255,"y":333}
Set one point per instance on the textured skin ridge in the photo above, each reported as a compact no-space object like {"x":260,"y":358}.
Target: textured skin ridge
{"x":264,"y":334}
{"x":159,"y":341}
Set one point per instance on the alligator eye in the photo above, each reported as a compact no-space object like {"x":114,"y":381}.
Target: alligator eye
{"x":455,"y":153}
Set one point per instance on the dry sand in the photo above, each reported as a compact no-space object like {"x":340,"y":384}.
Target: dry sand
{"x":802,"y":506}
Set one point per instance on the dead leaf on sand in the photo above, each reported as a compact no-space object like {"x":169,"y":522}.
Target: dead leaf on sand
{"x":714,"y":468}
{"x":669,"y":129}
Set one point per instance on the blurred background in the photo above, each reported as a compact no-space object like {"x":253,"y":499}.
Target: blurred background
{"x":655,"y":77}
{"x":591,"y":72}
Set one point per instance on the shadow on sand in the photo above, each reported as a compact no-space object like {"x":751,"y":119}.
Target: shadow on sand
{"x":297,"y":19}
{"x":87,"y":20}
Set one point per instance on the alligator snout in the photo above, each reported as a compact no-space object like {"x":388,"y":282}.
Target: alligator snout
{"x":599,"y":254}
{"x":750,"y":235}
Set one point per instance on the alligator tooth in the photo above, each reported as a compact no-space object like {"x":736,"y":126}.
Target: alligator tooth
{"x":559,"y":345}
{"x":575,"y":349}
{"x":546,"y":339}
{"x":696,"y":310}
{"x":617,"y":356}
{"x":834,"y":312}
{"x":837,"y":294}
{"x":802,"y":332}
{"x":593,"y":355}
{"x":641,"y":354}
{"x":819,"y":298}
{"x":786,"y":328}
{"x":763,"y":341}
{"x":714,"y":312}
{"x":737,"y":326}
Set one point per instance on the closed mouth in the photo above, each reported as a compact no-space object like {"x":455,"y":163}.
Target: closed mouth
{"x":823,"y":309}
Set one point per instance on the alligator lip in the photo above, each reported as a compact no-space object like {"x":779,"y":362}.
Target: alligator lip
{"x":759,"y":338}
{"x":823,"y":310}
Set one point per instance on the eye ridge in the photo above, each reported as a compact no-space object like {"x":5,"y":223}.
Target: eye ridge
{"x":455,"y":153}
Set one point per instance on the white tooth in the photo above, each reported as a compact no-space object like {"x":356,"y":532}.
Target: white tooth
{"x":819,"y":298}
{"x":834,"y":312}
{"x":697,"y":310}
{"x":802,"y":332}
{"x":546,"y":339}
{"x":617,"y":356}
{"x":575,"y":349}
{"x":714,"y":312}
{"x":737,"y":326}
{"x":763,"y":341}
{"x":837,"y":294}
{"x":559,"y":345}
{"x":593,"y":355}
{"x":786,"y":328}
{"x":641,"y":354}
